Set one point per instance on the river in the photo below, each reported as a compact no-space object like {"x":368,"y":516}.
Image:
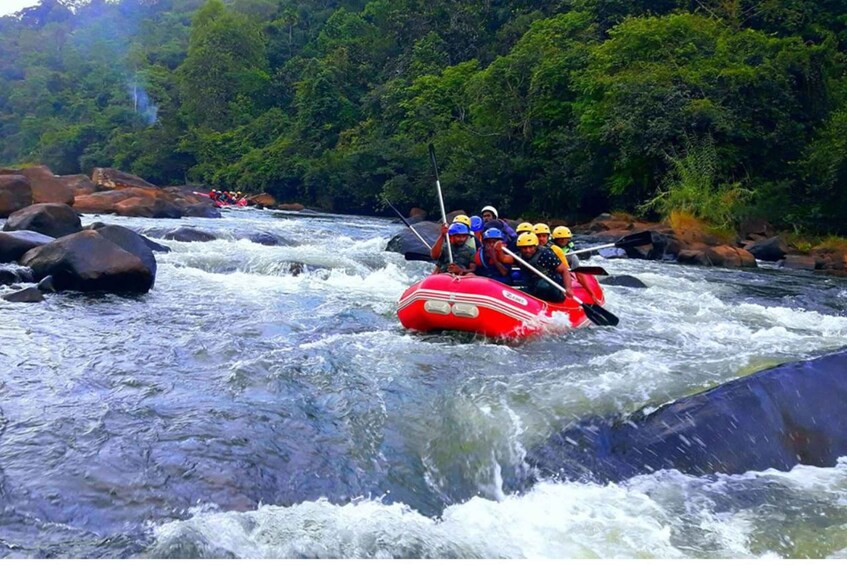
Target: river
{"x":239,"y":410}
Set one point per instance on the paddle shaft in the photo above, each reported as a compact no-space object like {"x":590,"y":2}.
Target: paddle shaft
{"x":590,"y":249}
{"x":408,"y":225}
{"x":539,"y":273}
{"x":440,"y":198}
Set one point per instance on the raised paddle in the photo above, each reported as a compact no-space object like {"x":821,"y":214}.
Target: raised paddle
{"x":631,"y":240}
{"x":440,"y":197}
{"x":408,"y":225}
{"x":597,"y":314}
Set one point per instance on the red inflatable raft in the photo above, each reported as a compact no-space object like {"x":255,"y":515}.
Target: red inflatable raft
{"x":485,"y":306}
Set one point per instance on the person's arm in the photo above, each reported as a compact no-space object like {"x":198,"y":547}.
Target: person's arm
{"x":563,"y":270}
{"x":583,"y":280}
{"x":435,"y":252}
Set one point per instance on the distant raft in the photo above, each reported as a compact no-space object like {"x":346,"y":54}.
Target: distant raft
{"x":484,"y":306}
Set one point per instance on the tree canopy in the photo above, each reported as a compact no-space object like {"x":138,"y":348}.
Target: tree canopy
{"x":726,"y":109}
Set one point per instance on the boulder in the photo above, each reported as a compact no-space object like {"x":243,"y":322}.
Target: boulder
{"x":55,"y":220}
{"x":291,"y":207}
{"x":46,"y":187}
{"x":188,"y":235}
{"x":800,"y":262}
{"x":112,"y":179}
{"x":131,"y":242}
{"x":407,"y":242}
{"x":263,"y":200}
{"x":31,"y":294}
{"x":14,"y":244}
{"x":730,"y":257}
{"x":87,"y":261}
{"x":771,"y":249}
{"x":78,"y":184}
{"x":146,"y":207}
{"x":789,"y":415}
{"x":416,"y":215}
{"x":46,"y":284}
{"x":627,"y":281}
{"x":15,"y":194}
{"x":692,"y":257}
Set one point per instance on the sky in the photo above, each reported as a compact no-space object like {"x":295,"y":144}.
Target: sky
{"x":11,"y":6}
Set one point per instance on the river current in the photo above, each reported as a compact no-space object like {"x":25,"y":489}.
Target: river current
{"x":242,"y":410}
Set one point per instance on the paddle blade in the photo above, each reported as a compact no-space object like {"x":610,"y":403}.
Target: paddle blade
{"x":432,"y":158}
{"x":635,"y":239}
{"x":590,"y":270}
{"x":599,"y":315}
{"x":412,"y":256}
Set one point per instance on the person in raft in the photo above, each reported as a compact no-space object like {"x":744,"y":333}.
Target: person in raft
{"x":562,"y":236}
{"x":462,"y":254}
{"x":491,"y":219}
{"x":490,"y":260}
{"x":545,"y":261}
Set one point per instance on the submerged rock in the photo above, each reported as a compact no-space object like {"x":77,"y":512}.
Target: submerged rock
{"x":31,"y":294}
{"x":623,"y":280}
{"x":789,"y":415}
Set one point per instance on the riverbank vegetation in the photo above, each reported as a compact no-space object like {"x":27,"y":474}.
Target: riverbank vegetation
{"x":721,"y":110}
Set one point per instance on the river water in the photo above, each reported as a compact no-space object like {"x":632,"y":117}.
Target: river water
{"x":239,"y":410}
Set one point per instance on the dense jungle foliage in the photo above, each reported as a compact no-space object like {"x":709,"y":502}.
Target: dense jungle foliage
{"x":723,"y":108}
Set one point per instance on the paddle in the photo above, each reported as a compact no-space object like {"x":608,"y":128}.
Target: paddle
{"x":589,"y":270}
{"x":597,"y":314}
{"x":631,"y":240}
{"x":440,"y":197}
{"x":408,"y":225}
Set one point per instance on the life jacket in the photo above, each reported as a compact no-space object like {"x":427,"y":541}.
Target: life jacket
{"x":532,"y":277}
{"x":484,"y":269}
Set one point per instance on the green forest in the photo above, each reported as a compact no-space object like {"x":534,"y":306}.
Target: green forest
{"x":726,"y":109}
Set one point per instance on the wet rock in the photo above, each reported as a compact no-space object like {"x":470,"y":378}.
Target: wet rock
{"x":15,"y":194}
{"x":87,"y":261}
{"x":14,"y":244}
{"x":147,"y":207}
{"x":799,"y":262}
{"x":189,"y":235}
{"x":610,"y":253}
{"x":80,"y":185}
{"x":627,"y":281}
{"x":30,"y":294}
{"x":131,"y":242}
{"x":291,"y":207}
{"x":55,"y":220}
{"x":46,"y":285}
{"x":407,"y":242}
{"x":789,"y":415}
{"x":771,"y":249}
{"x":692,"y":257}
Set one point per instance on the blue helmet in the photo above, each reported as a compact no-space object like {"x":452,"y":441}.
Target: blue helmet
{"x":492,"y":233}
{"x":458,"y":229}
{"x":476,"y":223}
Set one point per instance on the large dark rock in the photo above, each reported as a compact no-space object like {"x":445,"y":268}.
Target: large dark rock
{"x":778,"y":418}
{"x":55,"y":220}
{"x":189,"y":235}
{"x":15,"y":194}
{"x":627,"y":281}
{"x":771,"y":249}
{"x":131,"y":242}
{"x":87,"y":261}
{"x":407,"y":242}
{"x":14,"y":244}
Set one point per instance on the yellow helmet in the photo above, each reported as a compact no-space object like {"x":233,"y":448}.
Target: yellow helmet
{"x":540,"y":228}
{"x":561,"y":231}
{"x":462,"y":219}
{"x":525,"y":226}
{"x":527,"y":239}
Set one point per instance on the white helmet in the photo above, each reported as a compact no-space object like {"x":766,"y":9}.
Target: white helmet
{"x":491,"y":209}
